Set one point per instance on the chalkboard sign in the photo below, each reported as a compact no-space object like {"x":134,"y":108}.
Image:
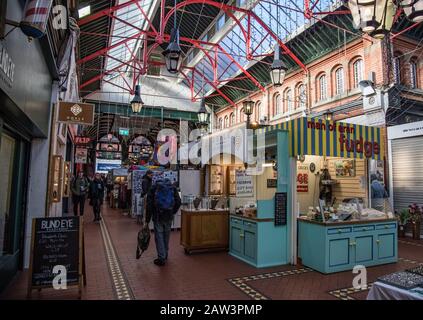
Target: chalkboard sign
{"x":272,"y":183}
{"x":280,"y":208}
{"x":56,"y":241}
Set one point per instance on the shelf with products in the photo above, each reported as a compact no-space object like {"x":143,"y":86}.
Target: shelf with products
{"x":215,"y":180}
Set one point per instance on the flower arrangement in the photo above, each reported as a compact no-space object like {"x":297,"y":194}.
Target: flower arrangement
{"x":415,"y":213}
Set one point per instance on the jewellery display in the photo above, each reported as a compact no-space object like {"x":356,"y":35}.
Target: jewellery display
{"x":417,"y":270}
{"x":403,"y":280}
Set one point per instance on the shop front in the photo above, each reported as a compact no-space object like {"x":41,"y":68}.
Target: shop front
{"x":315,"y":198}
{"x":25,"y":105}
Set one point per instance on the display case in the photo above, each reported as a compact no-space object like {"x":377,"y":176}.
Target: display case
{"x":215,"y":180}
{"x":231,"y":174}
{"x":56,"y":178}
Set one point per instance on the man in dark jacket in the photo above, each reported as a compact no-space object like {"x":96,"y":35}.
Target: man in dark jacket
{"x":79,"y":188}
{"x":97,"y":194}
{"x":162,"y":217}
{"x":147,"y":182}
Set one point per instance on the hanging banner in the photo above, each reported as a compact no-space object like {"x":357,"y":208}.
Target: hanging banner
{"x":81,"y":155}
{"x":244,"y":184}
{"x":75,"y":112}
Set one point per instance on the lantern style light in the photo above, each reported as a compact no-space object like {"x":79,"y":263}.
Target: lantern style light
{"x":413,"y":9}
{"x":137,"y":103}
{"x":172,"y":53}
{"x":248,"y":107}
{"x":277,"y":69}
{"x":203,"y":114}
{"x":374,"y":17}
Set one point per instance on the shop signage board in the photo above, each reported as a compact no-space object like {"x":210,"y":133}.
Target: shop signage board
{"x":312,"y":136}
{"x":406,"y":130}
{"x":82,"y":140}
{"x":272,"y":183}
{"x":281,"y":207}
{"x":56,"y":242}
{"x":7,"y":66}
{"x":244,"y":184}
{"x":75,"y":112}
{"x":81,"y":155}
{"x":302,"y":178}
{"x":104,"y":165}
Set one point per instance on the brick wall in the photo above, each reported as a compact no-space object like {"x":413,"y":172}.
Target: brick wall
{"x":374,"y":59}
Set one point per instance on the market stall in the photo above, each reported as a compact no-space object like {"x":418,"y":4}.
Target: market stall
{"x":313,"y":200}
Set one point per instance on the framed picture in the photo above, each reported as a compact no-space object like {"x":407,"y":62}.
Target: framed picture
{"x":345,"y":168}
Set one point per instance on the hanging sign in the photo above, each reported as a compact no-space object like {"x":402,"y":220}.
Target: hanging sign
{"x":75,"y":112}
{"x":57,"y":244}
{"x":82,"y":140}
{"x":124,"y":131}
{"x":244,"y":184}
{"x":7,"y":67}
{"x":81,"y":155}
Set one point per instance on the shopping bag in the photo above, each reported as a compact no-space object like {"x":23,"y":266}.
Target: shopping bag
{"x":143,"y":240}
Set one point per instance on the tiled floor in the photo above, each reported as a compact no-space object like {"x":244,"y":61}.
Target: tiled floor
{"x":114,"y":273}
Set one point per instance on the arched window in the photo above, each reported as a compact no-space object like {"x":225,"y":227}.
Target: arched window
{"x":397,"y":68}
{"x":226,"y":122}
{"x":276,"y":104}
{"x":339,"y":81}
{"x":413,"y":74}
{"x":301,"y":96}
{"x":220,"y":124}
{"x":232,"y":119}
{"x":288,"y":105}
{"x":357,"y":72}
{"x":322,"y":88}
{"x":257,"y":111}
{"x":241,"y":115}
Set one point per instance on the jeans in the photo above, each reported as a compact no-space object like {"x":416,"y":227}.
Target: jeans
{"x":96,"y":207}
{"x":162,"y":235}
{"x":78,"y":200}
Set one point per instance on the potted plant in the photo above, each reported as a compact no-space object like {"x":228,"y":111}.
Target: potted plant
{"x":416,"y":219}
{"x":403,"y":218}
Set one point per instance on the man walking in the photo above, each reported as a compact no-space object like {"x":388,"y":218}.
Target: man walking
{"x":79,"y":189}
{"x":97,"y":195}
{"x":163,"y":202}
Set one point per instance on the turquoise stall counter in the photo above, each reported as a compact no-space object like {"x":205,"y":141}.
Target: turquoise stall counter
{"x":339,"y":246}
{"x":257,"y":241}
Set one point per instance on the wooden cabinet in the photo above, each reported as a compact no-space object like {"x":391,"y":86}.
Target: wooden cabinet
{"x":204,"y":230}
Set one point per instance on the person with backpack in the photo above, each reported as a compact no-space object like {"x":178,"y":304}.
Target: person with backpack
{"x":163,"y":202}
{"x":97,"y":195}
{"x":79,"y":190}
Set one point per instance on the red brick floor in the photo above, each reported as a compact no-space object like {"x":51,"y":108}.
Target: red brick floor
{"x":196,"y":276}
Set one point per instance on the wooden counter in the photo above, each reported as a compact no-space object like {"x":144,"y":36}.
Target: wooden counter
{"x":204,"y":230}
{"x":339,"y":246}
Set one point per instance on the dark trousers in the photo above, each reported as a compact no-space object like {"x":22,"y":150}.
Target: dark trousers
{"x":78,"y":200}
{"x":162,"y":235}
{"x":96,"y":207}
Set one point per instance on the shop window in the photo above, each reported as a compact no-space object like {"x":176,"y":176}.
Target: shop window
{"x":413,"y":74}
{"x":226,"y":122}
{"x":7,"y":152}
{"x":339,"y":81}
{"x":357,"y":72}
{"x":276,"y":104}
{"x":323,"y":88}
{"x":154,"y":67}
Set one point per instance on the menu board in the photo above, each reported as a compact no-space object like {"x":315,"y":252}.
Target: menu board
{"x":244,"y":184}
{"x":280,"y":208}
{"x":56,"y":242}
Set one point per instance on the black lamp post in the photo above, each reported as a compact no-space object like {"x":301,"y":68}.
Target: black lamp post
{"x":173,"y":51}
{"x":248,"y":110}
{"x":137,"y":103}
{"x":277,"y":69}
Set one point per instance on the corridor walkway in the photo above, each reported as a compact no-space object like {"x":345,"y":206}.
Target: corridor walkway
{"x":114,"y":273}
